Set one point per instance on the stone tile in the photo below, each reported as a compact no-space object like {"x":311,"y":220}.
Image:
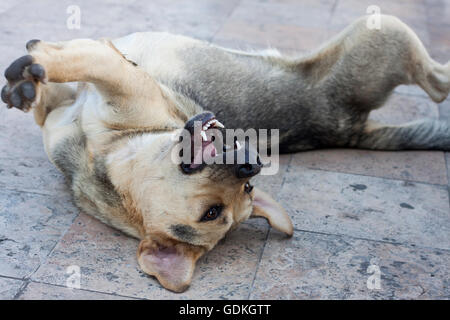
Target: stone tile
{"x":412,"y":90}
{"x":440,"y":43}
{"x":54,"y":27}
{"x":298,"y":26}
{"x":307,"y":13}
{"x":444,"y":110}
{"x":440,"y":54}
{"x":318,"y":266}
{"x":367,"y":207}
{"x":5,"y":6}
{"x":33,"y":26}
{"x":41,"y":291}
{"x":272,"y":183}
{"x":438,"y":12}
{"x":306,"y":5}
{"x":199,"y":19}
{"x":108,"y":263}
{"x":20,"y":136}
{"x":447,"y":160}
{"x":243,"y":35}
{"x":420,"y":166}
{"x":439,"y":36}
{"x":411,"y":12}
{"x":30,"y":227}
{"x":33,"y":175}
{"x":438,"y":24}
{"x":9,"y":288}
{"x":404,"y":108}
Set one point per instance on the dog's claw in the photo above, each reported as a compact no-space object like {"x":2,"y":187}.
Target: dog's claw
{"x":30,"y":44}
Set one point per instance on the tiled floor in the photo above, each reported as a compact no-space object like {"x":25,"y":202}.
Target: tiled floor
{"x":352,"y":209}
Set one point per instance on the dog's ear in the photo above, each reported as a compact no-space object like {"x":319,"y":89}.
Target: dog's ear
{"x":173,"y":265}
{"x":265,"y":206}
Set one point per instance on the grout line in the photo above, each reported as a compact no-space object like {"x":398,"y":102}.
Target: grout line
{"x":45,"y":259}
{"x":268,"y":231}
{"x":21,"y":290}
{"x":259,"y":262}
{"x":30,"y":191}
{"x":440,"y":186}
{"x":27,"y":281}
{"x":12,"y":277}
{"x":371,"y":240}
{"x":448,"y":176}
{"x":88,"y":290}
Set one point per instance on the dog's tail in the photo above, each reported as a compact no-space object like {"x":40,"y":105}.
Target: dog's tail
{"x":418,"y":135}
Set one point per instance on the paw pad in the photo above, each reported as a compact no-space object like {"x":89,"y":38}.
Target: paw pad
{"x":23,"y":77}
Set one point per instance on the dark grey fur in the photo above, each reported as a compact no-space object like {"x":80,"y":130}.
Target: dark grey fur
{"x":315,"y":103}
{"x":183,"y":232}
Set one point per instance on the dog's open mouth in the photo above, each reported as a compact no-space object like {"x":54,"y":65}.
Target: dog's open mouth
{"x":207,"y":150}
{"x":204,"y":143}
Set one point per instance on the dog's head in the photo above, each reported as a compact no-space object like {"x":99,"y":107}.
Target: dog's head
{"x":188,"y":207}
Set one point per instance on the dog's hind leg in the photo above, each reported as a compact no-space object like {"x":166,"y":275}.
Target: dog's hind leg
{"x":418,"y":135}
{"x":430,"y":75}
{"x":361,"y":66}
{"x":411,"y":56}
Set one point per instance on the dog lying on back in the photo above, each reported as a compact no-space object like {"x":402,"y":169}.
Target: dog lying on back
{"x":113,"y":136}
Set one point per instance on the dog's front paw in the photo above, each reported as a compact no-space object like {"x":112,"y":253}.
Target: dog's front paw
{"x":24,"y":78}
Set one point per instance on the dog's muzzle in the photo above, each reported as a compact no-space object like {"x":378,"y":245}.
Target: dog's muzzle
{"x":241,"y":157}
{"x":251,"y":165}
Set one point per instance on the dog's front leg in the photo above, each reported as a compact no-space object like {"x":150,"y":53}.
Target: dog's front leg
{"x":133,"y":98}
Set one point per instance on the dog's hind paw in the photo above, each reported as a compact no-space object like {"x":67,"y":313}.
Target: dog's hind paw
{"x":24,"y":77}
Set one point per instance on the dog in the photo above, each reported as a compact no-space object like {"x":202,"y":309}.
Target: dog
{"x":112,"y":137}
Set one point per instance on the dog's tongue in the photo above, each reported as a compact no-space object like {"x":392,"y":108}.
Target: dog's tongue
{"x":208,"y":151}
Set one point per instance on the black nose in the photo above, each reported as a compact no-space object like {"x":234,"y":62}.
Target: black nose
{"x":247,"y":170}
{"x":252,"y":165}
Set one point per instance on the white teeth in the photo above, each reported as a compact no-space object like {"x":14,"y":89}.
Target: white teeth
{"x":212,"y":123}
{"x":207,"y":125}
{"x":238,"y":145}
{"x":203,"y":133}
{"x":218,"y":124}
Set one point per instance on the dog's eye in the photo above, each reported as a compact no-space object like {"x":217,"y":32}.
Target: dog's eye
{"x":212,"y":213}
{"x":248,"y":187}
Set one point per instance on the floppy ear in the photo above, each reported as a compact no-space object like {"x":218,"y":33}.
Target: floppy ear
{"x":172,"y":265}
{"x":265,"y":206}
